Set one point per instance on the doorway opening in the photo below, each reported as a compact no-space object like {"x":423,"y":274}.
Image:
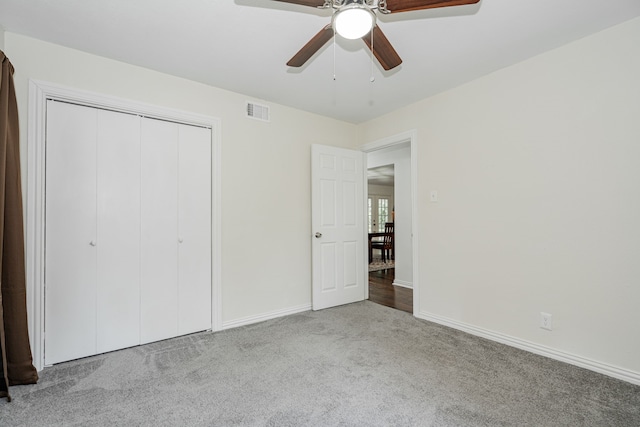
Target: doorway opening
{"x":389,"y":218}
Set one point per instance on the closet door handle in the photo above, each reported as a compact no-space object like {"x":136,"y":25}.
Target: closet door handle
{"x":92,"y":243}
{"x":180,"y":240}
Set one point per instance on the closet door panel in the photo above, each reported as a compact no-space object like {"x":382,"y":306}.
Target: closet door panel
{"x":194,"y":212}
{"x":159,"y":230}
{"x":118,"y":242}
{"x":70,"y":236}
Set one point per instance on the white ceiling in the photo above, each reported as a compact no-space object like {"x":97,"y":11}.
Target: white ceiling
{"x":381,"y":175}
{"x":243,"y":45}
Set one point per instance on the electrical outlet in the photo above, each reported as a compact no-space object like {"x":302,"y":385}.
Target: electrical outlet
{"x":546,"y":321}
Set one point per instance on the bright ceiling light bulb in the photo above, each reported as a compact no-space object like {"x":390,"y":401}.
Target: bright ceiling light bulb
{"x":354,"y":22}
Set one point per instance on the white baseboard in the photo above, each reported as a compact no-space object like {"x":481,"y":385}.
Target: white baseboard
{"x":403,"y":284}
{"x":265,"y":316}
{"x":572,"y":359}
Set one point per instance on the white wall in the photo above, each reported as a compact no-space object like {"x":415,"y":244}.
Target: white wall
{"x":1,"y":39}
{"x":400,"y":157}
{"x":381,"y":190}
{"x":266,"y":216}
{"x":537,"y":169}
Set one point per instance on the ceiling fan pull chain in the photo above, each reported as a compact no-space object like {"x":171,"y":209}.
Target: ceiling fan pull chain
{"x":334,"y":54}
{"x":372,"y":79}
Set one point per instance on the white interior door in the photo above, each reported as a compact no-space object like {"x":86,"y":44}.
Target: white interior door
{"x":159,"y":231}
{"x":70,"y":235}
{"x":338,"y":226}
{"x":194,"y":223}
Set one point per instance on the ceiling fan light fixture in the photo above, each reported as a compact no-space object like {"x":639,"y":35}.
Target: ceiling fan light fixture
{"x":354,"y":20}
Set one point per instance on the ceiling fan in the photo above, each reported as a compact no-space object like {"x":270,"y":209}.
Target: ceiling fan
{"x":354,"y":19}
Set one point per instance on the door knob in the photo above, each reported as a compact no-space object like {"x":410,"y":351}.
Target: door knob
{"x":92,"y":243}
{"x":180,"y":240}
{"x":318,"y":235}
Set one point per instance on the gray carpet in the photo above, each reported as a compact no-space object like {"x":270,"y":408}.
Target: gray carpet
{"x":356,"y":365}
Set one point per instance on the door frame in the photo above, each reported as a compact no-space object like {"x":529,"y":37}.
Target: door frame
{"x":39,"y":93}
{"x":411,"y":137}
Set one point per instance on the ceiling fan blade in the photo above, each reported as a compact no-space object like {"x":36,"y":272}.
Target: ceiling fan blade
{"x":311,"y":3}
{"x":382,"y":49}
{"x":407,"y":5}
{"x":309,"y":49}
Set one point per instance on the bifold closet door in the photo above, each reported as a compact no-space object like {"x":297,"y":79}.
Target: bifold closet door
{"x":118,"y":241}
{"x":92,"y":251}
{"x":159,"y":231}
{"x":176,"y":230}
{"x":128,"y":230}
{"x":70,"y":236}
{"x":194,"y":222}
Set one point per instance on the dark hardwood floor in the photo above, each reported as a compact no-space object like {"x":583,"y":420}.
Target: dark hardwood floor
{"x":382,"y":291}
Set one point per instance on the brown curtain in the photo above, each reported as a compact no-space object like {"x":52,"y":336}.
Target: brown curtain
{"x":17,"y":362}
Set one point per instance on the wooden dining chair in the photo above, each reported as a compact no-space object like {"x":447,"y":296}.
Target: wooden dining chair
{"x":386,"y":244}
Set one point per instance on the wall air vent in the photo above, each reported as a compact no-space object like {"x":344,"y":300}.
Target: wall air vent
{"x":257,"y":111}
